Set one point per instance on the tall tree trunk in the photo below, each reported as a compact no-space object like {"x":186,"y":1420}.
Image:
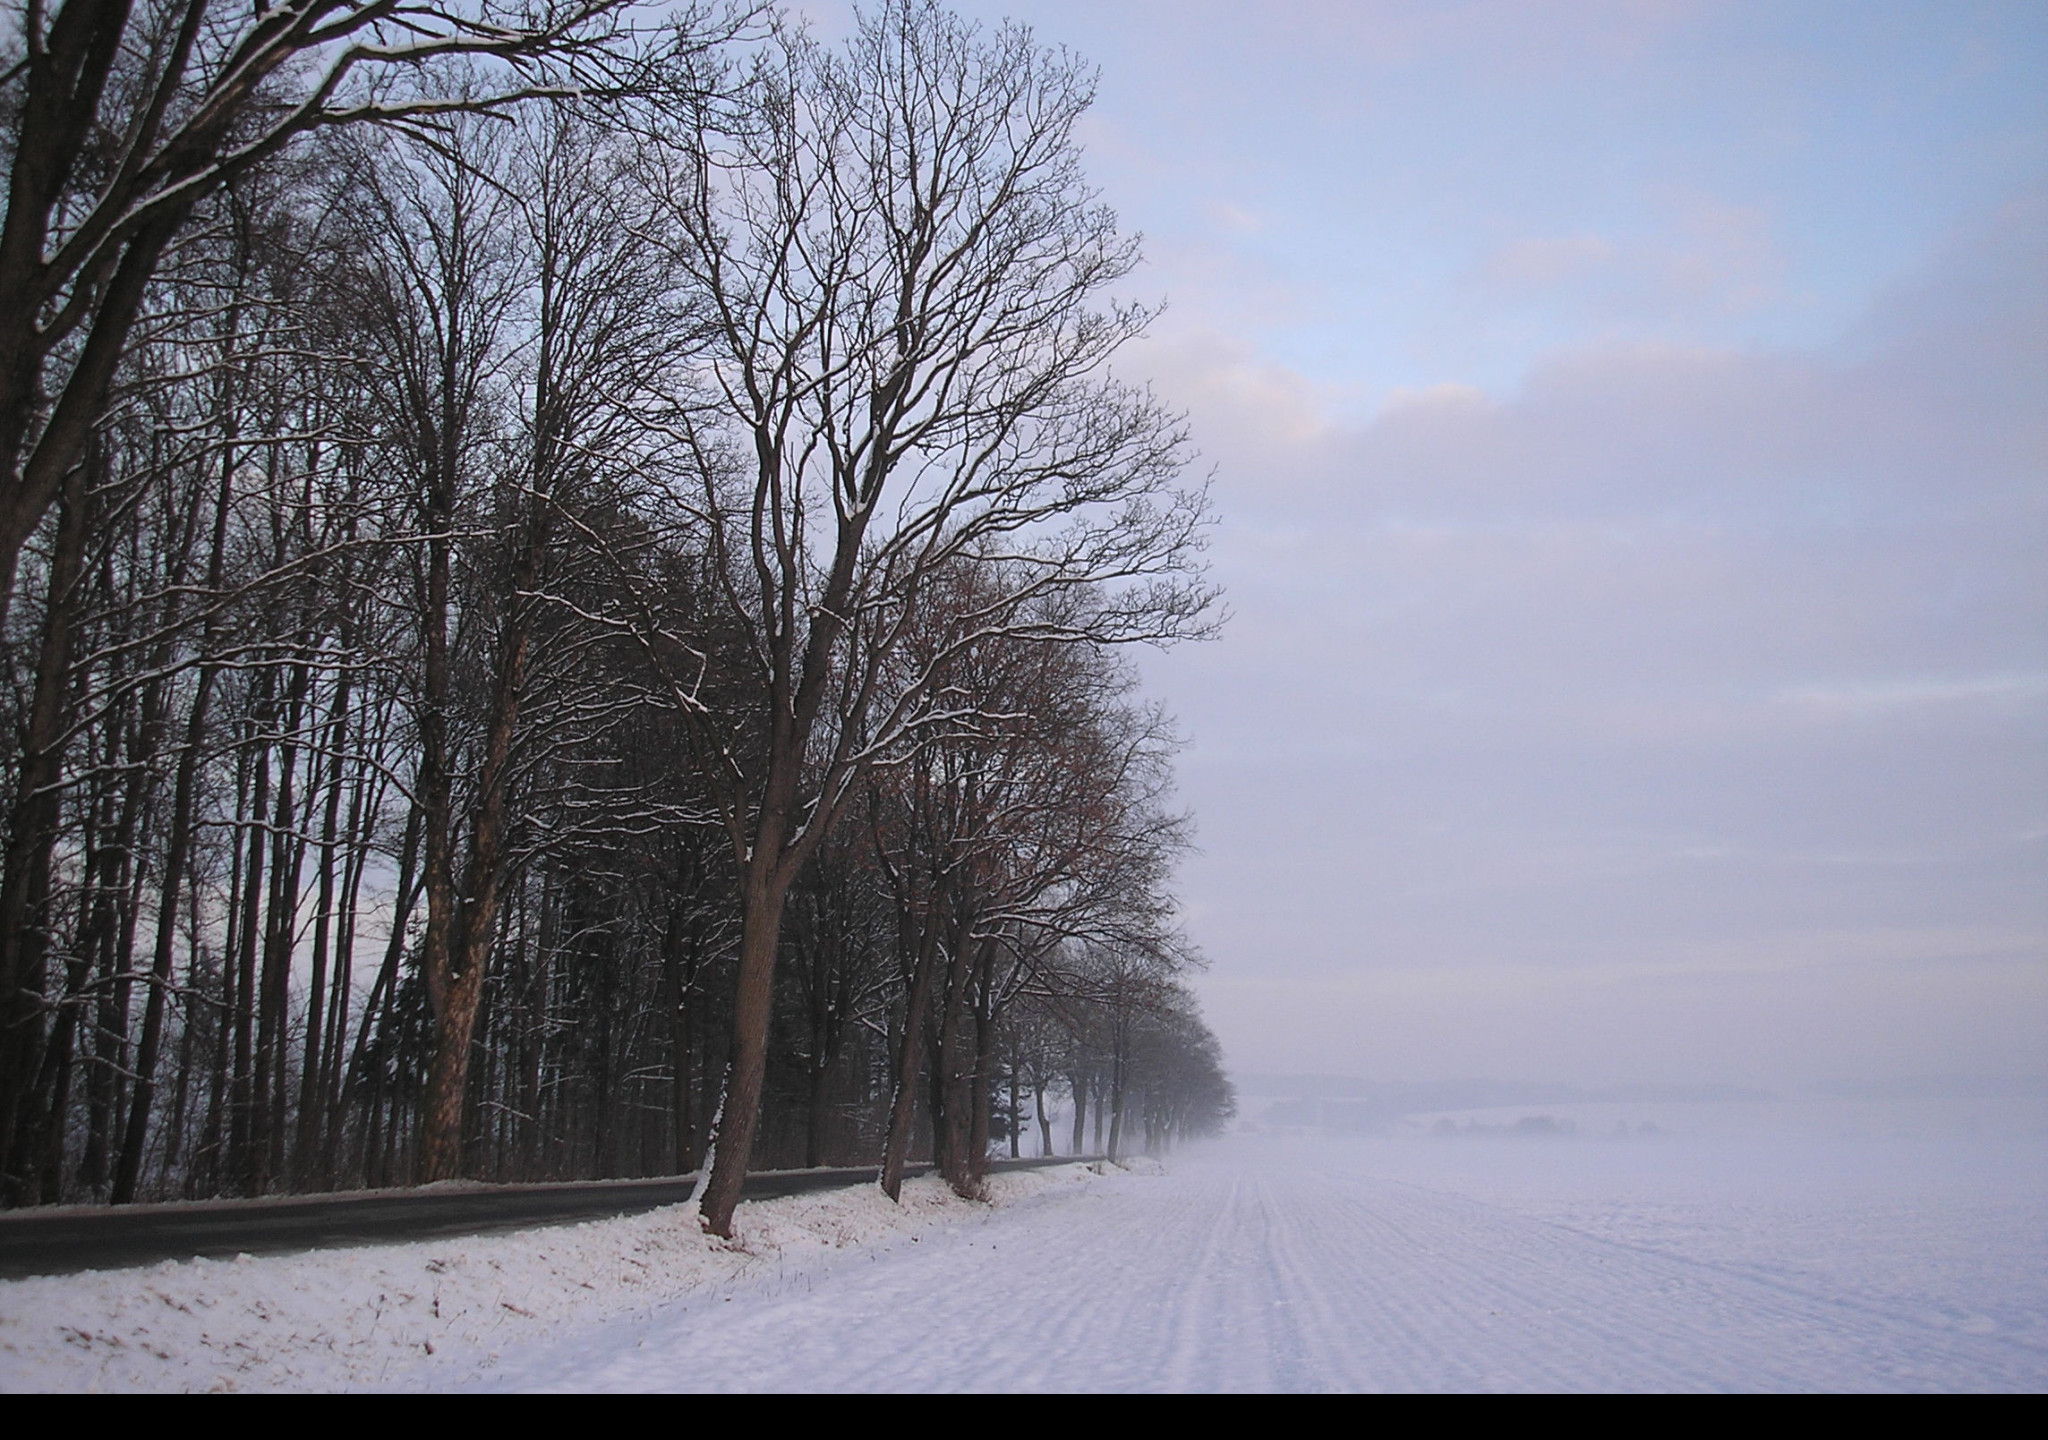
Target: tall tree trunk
{"x":31,"y":841}
{"x":365,"y":802}
{"x":952,"y":1088}
{"x":824,"y":1047}
{"x":280,"y":934}
{"x":110,"y":938}
{"x":437,"y":807}
{"x":675,"y":984}
{"x":313,"y":1068}
{"x":1016,"y":1115}
{"x":910,"y":1044}
{"x":177,"y":857}
{"x":177,"y":854}
{"x":1117,"y":1089}
{"x":980,"y":1099}
{"x":817,"y":1109}
{"x":1079,"y":1084}
{"x":376,"y":1008}
{"x":731,"y":1146}
{"x":455,"y":976}
{"x":243,"y":1096}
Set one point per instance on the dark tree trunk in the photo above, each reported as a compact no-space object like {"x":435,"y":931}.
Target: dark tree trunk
{"x":176,"y":858}
{"x":739,"y":1107}
{"x":675,"y":985}
{"x":31,"y":842}
{"x":1079,"y":1083}
{"x":980,"y":1065}
{"x":242,"y":1094}
{"x":910,"y":1045}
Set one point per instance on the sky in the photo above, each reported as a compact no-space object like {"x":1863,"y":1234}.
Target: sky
{"x":1629,"y":429}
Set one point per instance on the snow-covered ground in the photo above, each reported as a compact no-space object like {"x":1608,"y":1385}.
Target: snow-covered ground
{"x":437,"y":1313}
{"x":1732,"y":1249}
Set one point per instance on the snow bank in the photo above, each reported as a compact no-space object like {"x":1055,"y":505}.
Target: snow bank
{"x":426,"y":1312}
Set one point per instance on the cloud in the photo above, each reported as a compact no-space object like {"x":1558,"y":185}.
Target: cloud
{"x":1711,"y":677}
{"x":1235,"y":218}
{"x":1541,"y":262}
{"x":1866,"y":697}
{"x":1932,"y":405}
{"x":1699,"y":257}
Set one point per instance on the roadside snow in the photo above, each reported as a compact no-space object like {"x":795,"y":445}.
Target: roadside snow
{"x":434,"y":1311}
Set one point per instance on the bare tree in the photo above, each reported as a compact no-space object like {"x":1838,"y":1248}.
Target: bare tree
{"x":121,"y":118}
{"x":505,"y":540}
{"x":1053,"y":816}
{"x":117,"y":121}
{"x":907,"y":279}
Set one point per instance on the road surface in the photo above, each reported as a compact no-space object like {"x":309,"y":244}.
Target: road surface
{"x":65,"y":1239}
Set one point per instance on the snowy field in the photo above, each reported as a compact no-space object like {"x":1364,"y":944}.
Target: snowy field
{"x":1723,"y":1248}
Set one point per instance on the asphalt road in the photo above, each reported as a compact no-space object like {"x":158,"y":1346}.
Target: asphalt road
{"x":61,"y":1240}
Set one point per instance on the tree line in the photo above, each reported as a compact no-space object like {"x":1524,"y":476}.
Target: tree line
{"x":569,"y":582}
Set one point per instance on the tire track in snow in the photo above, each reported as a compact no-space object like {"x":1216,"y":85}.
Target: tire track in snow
{"x":1597,"y":1315}
{"x":1771,"y":1321}
{"x":1212,"y":1289}
{"x":1221,"y":1276}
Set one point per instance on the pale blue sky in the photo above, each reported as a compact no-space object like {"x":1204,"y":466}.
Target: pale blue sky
{"x":1395,"y":194}
{"x":1630,"y":423}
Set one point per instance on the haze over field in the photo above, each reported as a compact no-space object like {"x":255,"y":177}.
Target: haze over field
{"x":1628,"y":424}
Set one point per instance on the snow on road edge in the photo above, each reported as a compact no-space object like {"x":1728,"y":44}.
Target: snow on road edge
{"x":342,"y":1319}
